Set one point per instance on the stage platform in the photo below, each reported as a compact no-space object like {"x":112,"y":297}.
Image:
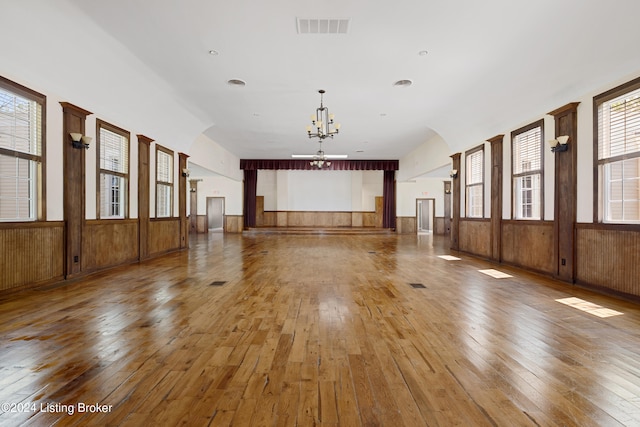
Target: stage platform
{"x":320,"y":230}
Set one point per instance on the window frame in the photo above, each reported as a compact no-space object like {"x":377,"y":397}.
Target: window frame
{"x":160,"y":148}
{"x":467,"y":154}
{"x":599,"y":202}
{"x":514,"y":176}
{"x":40,"y":200}
{"x":101,"y":124}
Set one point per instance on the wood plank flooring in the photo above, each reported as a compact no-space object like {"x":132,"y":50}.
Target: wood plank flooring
{"x":316,"y":330}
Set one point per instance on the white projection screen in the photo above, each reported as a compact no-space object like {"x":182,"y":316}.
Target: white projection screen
{"x":320,"y":191}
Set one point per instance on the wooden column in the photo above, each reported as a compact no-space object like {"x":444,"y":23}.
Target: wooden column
{"x":565,"y":198}
{"x":193,"y":203}
{"x":455,"y":221}
{"x":144,"y":150}
{"x":496,"y":197}
{"x":74,"y":119}
{"x":182,"y":201}
{"x":447,"y":207}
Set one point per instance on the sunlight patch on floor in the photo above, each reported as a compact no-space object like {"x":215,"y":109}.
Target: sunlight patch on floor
{"x":449,"y":257}
{"x":589,"y":307}
{"x":495,"y":273}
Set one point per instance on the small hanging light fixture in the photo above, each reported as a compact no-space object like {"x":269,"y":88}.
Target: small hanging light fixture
{"x":320,"y":161}
{"x":322,"y":122}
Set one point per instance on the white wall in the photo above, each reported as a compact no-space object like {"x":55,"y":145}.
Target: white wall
{"x":220,"y":186}
{"x":345,"y":191}
{"x":409,"y":192}
{"x":210,"y":155}
{"x":55,"y":185}
{"x":268,"y":187}
{"x":431,"y":155}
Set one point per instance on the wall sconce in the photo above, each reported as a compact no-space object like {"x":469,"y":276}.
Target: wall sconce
{"x":192,"y":190}
{"x":185,"y":172}
{"x":454,"y":173}
{"x":80,"y":141}
{"x":559,"y":144}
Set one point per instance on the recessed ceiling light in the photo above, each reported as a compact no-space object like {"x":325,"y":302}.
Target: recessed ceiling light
{"x":423,"y":53}
{"x":403,"y":83}
{"x":236,"y":82}
{"x":213,"y":52}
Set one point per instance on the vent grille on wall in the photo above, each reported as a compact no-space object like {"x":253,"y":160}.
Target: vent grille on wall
{"x":323,"y":26}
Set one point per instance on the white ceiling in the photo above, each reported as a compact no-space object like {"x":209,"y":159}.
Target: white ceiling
{"x":491,"y":66}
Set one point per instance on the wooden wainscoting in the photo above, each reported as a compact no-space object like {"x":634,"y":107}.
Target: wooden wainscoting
{"x":370,"y":219}
{"x":201,"y":224}
{"x":475,"y":236}
{"x":107,"y":243}
{"x":608,"y":257}
{"x":233,"y":223}
{"x":406,"y":225}
{"x":31,"y":253}
{"x":319,"y":219}
{"x":164,"y":235}
{"x":529,"y":244}
{"x":270,"y":219}
{"x":438,"y":225}
{"x":357,"y":219}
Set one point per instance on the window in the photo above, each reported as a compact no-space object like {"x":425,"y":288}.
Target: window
{"x":164,"y":182}
{"x":113,"y":167}
{"x":527,"y":177}
{"x":618,"y":153}
{"x":474,"y":174}
{"x":22,"y":118}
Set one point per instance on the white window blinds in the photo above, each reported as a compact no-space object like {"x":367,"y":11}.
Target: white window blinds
{"x":164,"y":167}
{"x":527,"y":151}
{"x":21,"y":136}
{"x":164,"y":184}
{"x":619,"y":126}
{"x":619,"y":157}
{"x":114,"y":152}
{"x":474,"y":183}
{"x":474,"y":171}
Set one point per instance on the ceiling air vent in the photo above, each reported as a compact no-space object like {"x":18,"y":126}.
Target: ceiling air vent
{"x":323,"y":25}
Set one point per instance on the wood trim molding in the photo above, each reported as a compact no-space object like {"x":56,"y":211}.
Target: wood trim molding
{"x":74,"y":109}
{"x":30,"y":224}
{"x":607,"y":226}
{"x":447,"y":191}
{"x":182,"y":201}
{"x":74,"y":119}
{"x":565,"y":109}
{"x":144,"y":139}
{"x":144,"y":158}
{"x":455,"y":218}
{"x":496,"y":196}
{"x":565,"y":197}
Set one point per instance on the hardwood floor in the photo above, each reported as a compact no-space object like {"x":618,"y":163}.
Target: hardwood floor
{"x":316,"y":330}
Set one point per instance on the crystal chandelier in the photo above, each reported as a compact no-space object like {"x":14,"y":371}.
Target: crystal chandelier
{"x":319,"y":160}
{"x":322,"y":122}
